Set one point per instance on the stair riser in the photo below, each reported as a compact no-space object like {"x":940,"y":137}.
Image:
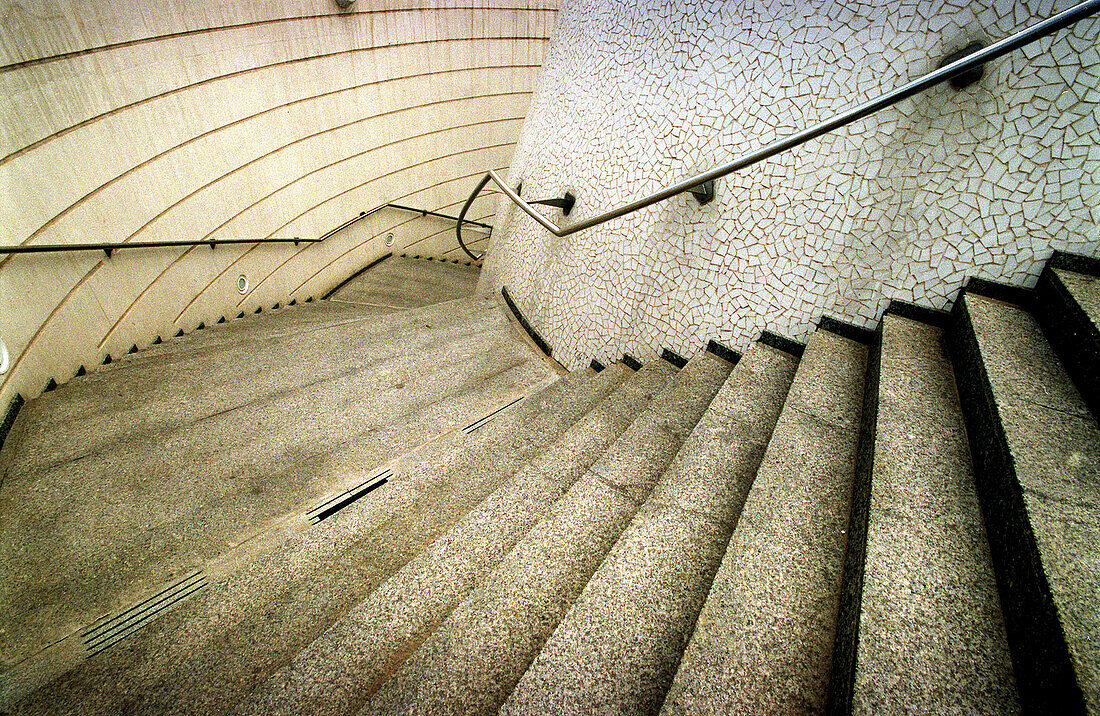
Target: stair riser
{"x":1072,"y":334}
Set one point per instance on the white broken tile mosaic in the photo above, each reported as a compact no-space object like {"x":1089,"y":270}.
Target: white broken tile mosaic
{"x":903,"y":205}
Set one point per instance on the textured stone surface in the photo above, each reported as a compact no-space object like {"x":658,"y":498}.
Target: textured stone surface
{"x":340,"y":670}
{"x":931,"y":633}
{"x":617,"y":649}
{"x":473,"y":660}
{"x":763,"y":640}
{"x":1085,"y":291}
{"x":901,"y":205}
{"x":147,"y":484}
{"x":404,"y":282}
{"x":1053,"y":443}
{"x":245,"y":471}
{"x":214,"y":649}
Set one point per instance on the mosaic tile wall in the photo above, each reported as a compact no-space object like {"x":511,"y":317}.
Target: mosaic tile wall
{"x":907,"y":204}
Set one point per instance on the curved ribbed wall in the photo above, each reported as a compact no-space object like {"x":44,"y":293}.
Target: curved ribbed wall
{"x":249,"y":120}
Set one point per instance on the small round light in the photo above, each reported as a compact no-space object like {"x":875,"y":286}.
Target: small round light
{"x":389,"y":239}
{"x":3,"y":357}
{"x":242,"y":284}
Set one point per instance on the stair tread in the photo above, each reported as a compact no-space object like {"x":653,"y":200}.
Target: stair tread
{"x":617,"y":648}
{"x":217,"y":481}
{"x":778,"y":585}
{"x":403,"y":282}
{"x":145,"y":388}
{"x":344,"y":666}
{"x":1054,"y":446}
{"x":184,"y":660}
{"x":930,"y":608}
{"x":1085,"y":290}
{"x":473,"y":660}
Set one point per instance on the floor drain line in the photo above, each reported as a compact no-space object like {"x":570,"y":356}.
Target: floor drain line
{"x":479,"y":423}
{"x":109,"y":632}
{"x":345,"y":498}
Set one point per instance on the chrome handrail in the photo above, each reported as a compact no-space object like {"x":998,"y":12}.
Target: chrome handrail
{"x":942,"y":74}
{"x":108,"y":248}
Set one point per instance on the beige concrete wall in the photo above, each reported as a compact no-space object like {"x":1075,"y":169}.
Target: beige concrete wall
{"x":126,"y":121}
{"x":905,"y":205}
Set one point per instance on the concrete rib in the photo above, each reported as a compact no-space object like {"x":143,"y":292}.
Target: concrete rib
{"x":473,"y":660}
{"x":617,"y":649}
{"x":763,"y":640}
{"x":930,"y":609}
{"x":260,"y":617}
{"x":342,"y":669}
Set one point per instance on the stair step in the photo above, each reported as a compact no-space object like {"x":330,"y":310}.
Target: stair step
{"x":344,"y":667}
{"x":213,"y":650}
{"x":146,"y":388}
{"x":473,"y":660}
{"x":1036,"y":452}
{"x":931,"y":633}
{"x":1068,"y":308}
{"x":763,"y":640}
{"x":617,"y":649}
{"x":154,"y":496}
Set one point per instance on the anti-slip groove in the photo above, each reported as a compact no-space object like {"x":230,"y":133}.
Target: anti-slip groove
{"x":107,"y":633}
{"x":482,"y":421}
{"x":334,"y":504}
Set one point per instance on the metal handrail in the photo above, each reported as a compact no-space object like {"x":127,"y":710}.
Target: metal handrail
{"x":110,"y":247}
{"x":943,"y":74}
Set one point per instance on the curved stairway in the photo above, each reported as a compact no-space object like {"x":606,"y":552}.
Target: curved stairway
{"x":900,"y":520}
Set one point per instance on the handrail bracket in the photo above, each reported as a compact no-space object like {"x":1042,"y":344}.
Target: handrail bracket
{"x":703,"y":193}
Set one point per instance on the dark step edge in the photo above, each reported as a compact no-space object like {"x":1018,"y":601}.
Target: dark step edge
{"x":847,"y":330}
{"x":9,"y":418}
{"x":782,"y":343}
{"x":355,"y":275}
{"x":597,"y":366}
{"x":921,"y":314}
{"x":723,"y":351}
{"x":1071,"y":333}
{"x":1016,"y":295}
{"x":539,"y":340}
{"x":1044,"y":671}
{"x":674,"y":358}
{"x":1077,"y":263}
{"x":846,"y":647}
{"x":631,"y":362}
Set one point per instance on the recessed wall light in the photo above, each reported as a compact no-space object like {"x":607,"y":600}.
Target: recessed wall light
{"x":389,"y":239}
{"x":3,"y":357}
{"x":242,"y":284}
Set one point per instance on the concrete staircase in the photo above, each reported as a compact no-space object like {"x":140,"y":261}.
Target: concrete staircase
{"x":899,"y":520}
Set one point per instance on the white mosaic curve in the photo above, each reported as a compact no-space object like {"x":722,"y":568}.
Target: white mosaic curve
{"x":904,"y":205}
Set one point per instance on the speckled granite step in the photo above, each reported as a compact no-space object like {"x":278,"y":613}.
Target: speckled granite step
{"x":342,"y":669}
{"x":931,"y":633}
{"x":473,"y":660}
{"x":1068,"y":308}
{"x":87,"y":536}
{"x":210,"y":653}
{"x":1036,"y":452}
{"x":617,"y":649}
{"x":763,"y":640}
